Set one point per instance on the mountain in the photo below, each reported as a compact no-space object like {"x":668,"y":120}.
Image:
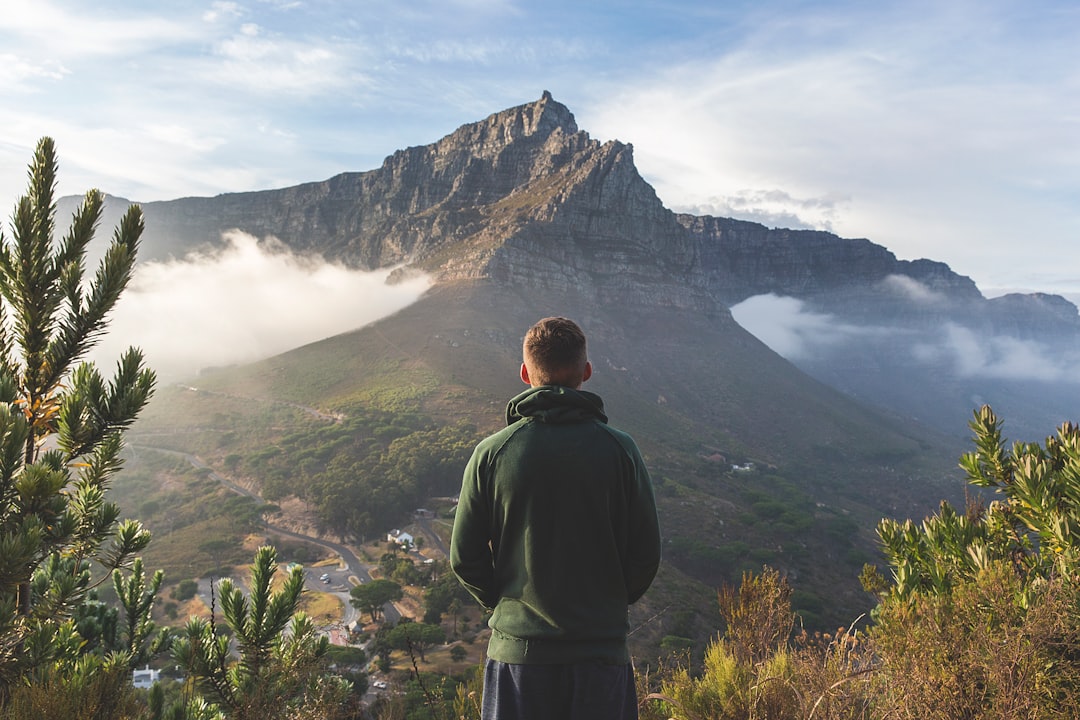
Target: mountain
{"x":526,"y":198}
{"x":523,"y":215}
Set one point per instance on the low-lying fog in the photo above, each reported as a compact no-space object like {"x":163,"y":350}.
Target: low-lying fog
{"x":243,"y":302}
{"x":802,"y":335}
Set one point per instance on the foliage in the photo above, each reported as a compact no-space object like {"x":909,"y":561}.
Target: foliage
{"x":61,"y":435}
{"x":758,"y":615}
{"x":1034,"y":525}
{"x":371,"y":466}
{"x":185,"y":590}
{"x":370,"y":597}
{"x":981,"y":620}
{"x":445,"y":594}
{"x":418,"y":637}
{"x":402,"y":569}
{"x":280,"y":665}
{"x":103,"y":693}
{"x":991,"y":648}
{"x":757,"y":669}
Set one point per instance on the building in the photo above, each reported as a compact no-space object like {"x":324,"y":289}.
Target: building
{"x":400,"y":537}
{"x":145,"y":678}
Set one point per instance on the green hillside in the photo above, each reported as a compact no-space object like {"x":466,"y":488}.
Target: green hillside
{"x":365,"y":425}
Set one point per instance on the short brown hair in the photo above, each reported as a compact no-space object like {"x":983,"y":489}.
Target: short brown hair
{"x":554,"y":352}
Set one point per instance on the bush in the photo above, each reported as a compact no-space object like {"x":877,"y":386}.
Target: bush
{"x":184,"y":590}
{"x":988,"y":649}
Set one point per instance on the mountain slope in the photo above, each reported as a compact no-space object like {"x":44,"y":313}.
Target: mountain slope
{"x":523,"y":215}
{"x":526,"y":198}
{"x":824,"y":469}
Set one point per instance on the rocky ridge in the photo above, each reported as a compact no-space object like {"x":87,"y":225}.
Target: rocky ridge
{"x":525,"y":198}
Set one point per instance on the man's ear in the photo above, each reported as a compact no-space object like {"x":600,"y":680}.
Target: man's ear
{"x":588,"y":372}
{"x":525,"y":374}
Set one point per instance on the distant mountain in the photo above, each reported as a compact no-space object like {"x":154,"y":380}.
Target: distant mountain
{"x":526,"y":199}
{"x":523,"y":215}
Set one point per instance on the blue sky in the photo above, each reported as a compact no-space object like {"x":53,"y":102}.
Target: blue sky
{"x":948,"y":130}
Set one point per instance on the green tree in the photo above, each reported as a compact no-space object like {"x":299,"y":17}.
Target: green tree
{"x":370,"y":597}
{"x":980,"y":618}
{"x":413,"y":636}
{"x":1033,"y":525}
{"x":61,"y":426}
{"x":280,"y":665}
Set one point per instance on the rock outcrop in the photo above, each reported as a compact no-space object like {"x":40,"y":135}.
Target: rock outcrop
{"x":524,"y":198}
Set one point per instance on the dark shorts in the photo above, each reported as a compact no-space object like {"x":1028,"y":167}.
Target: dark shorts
{"x":582,"y":691}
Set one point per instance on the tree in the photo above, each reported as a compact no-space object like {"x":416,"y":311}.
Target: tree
{"x":61,"y":426}
{"x":980,"y":619}
{"x":410,"y":636}
{"x":279,"y":668}
{"x":1034,"y":526}
{"x":370,"y":597}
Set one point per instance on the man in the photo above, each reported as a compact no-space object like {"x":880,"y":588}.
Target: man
{"x":556,"y":532}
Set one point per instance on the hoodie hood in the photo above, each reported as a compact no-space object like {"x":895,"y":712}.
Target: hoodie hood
{"x":555,"y":404}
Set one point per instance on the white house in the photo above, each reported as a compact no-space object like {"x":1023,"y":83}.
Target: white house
{"x":145,"y":678}
{"x":401,"y":538}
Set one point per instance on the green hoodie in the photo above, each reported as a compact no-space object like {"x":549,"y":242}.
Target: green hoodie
{"x":556,"y":530}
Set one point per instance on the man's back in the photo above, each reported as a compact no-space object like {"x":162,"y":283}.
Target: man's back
{"x":567,"y":506}
{"x":556,"y":532}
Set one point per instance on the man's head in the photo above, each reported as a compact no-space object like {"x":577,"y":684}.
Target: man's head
{"x":554,"y":354}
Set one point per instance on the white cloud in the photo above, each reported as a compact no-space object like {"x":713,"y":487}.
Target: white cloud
{"x":16,"y":71}
{"x":788,"y":328}
{"x":257,"y":61}
{"x":948,"y":128}
{"x":773,"y":208}
{"x":222,"y":11}
{"x":912,"y":289}
{"x":247,"y":301}
{"x":50,"y":29}
{"x":973,"y":354}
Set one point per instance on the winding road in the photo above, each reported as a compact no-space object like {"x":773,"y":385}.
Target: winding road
{"x":351,"y":572}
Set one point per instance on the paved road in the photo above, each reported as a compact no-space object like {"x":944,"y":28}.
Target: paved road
{"x":340,"y":580}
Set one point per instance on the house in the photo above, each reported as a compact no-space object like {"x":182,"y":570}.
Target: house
{"x":400,"y":537}
{"x":145,"y":678}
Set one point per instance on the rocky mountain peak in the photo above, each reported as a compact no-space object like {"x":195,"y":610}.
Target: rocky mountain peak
{"x":537,"y":121}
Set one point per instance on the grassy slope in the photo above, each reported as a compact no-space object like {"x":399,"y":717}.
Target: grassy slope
{"x":698,"y":394}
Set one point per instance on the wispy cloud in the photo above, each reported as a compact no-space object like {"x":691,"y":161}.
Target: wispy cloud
{"x":911,"y":289}
{"x":973,"y":354}
{"x":773,"y":208}
{"x":802,"y":335}
{"x":789,"y":328}
{"x":255,"y":60}
{"x":246,"y":301}
{"x":938,"y":124}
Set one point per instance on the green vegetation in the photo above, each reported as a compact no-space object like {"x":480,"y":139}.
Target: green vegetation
{"x":415,"y":637}
{"x":370,"y":597}
{"x":361,"y":473}
{"x":277,"y":673}
{"x":61,"y":431}
{"x":979,"y":622}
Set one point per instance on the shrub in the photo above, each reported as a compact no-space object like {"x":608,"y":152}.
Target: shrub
{"x":988,"y":649}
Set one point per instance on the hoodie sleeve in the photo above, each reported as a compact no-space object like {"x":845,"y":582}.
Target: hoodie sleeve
{"x":643,"y":551}
{"x":470,"y":544}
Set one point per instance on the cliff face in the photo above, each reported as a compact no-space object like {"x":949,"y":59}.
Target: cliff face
{"x":526,"y":199}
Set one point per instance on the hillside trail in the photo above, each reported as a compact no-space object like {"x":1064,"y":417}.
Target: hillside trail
{"x":358,"y":571}
{"x":334,"y":417}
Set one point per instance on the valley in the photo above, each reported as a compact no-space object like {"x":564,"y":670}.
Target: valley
{"x":756,"y":461}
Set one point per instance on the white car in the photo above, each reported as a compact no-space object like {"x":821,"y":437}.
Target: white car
{"x":380,"y":684}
